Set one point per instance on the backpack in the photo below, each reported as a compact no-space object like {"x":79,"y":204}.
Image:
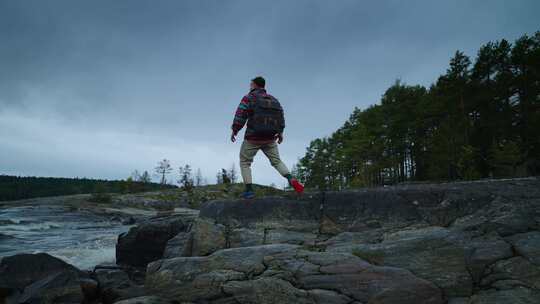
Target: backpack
{"x":267,"y":118}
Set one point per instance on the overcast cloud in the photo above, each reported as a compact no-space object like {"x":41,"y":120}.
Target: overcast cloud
{"x":100,"y":88}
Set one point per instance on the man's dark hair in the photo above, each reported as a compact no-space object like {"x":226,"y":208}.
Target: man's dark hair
{"x":259,"y":81}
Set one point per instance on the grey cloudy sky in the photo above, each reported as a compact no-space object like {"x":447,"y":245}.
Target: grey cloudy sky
{"x":100,"y":88}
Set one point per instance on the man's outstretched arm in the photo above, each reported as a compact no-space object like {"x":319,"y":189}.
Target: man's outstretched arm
{"x":240,"y":117}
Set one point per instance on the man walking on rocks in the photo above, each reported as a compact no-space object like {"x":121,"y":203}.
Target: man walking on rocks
{"x":265,"y":123}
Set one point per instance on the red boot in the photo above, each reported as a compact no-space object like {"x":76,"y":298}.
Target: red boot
{"x":298,"y":187}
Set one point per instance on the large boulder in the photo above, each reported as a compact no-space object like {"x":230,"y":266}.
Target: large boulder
{"x":40,"y":278}
{"x":147,"y":241}
{"x":284,"y":273}
{"x":21,"y":270}
{"x":60,"y":287}
{"x":117,"y":283}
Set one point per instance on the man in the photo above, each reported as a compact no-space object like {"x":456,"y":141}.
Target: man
{"x":265,"y":124}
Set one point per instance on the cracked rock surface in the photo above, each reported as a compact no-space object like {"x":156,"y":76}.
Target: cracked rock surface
{"x":283,"y":273}
{"x":459,"y":243}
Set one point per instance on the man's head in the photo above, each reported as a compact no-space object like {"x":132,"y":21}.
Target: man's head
{"x":257,"y":83}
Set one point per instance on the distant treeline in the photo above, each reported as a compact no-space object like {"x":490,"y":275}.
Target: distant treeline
{"x":15,"y":187}
{"x":478,"y":120}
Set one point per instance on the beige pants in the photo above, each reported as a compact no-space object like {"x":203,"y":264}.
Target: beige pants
{"x":248,"y":152}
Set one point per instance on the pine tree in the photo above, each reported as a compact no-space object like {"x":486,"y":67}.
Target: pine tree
{"x":186,"y":180}
{"x":225,"y":177}
{"x":163,"y":169}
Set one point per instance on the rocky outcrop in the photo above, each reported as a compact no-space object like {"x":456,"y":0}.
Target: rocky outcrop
{"x":499,"y":206}
{"x":457,"y":243}
{"x":41,"y":278}
{"x":146,"y":242}
{"x":474,"y":242}
{"x":283,"y":273}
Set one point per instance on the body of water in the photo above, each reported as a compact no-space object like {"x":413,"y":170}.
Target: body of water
{"x":80,"y":238}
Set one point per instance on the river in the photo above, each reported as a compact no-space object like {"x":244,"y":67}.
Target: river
{"x":80,"y":238}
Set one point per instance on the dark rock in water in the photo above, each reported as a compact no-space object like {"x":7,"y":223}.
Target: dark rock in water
{"x":40,"y":278}
{"x":147,"y":241}
{"x":129,"y":221}
{"x":116,"y":219}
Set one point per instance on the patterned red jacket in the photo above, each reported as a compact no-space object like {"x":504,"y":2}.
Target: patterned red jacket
{"x":244,"y":112}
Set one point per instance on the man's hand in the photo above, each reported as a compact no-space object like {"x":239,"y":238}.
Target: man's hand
{"x":279,"y":138}
{"x":233,"y":137}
